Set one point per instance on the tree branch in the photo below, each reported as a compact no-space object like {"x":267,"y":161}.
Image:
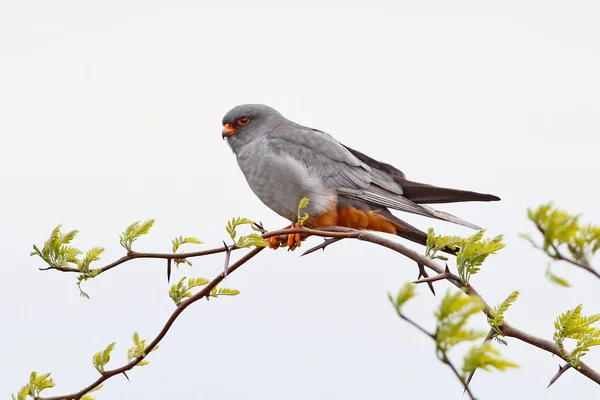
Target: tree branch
{"x":334,"y":232}
{"x":180,"y":308}
{"x":558,"y":255}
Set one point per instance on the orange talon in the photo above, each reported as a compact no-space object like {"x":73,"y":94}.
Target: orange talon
{"x":273,"y":242}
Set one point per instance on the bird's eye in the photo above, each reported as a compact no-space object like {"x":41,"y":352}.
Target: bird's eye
{"x":243,"y":121}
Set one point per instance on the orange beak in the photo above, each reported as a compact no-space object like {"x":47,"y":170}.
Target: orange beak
{"x":228,"y":130}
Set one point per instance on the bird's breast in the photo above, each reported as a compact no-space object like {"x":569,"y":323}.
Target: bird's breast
{"x":280,"y":181}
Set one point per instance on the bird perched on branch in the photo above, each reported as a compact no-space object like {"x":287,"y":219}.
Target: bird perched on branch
{"x":283,"y":162}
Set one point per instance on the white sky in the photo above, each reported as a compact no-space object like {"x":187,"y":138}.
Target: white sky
{"x":110,"y":112}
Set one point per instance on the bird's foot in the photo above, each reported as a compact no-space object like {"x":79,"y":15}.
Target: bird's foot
{"x":291,"y":241}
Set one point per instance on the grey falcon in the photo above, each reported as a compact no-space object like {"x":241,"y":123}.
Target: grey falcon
{"x":284,"y":162}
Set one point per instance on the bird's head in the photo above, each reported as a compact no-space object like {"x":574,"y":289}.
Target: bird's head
{"x":245,"y":122}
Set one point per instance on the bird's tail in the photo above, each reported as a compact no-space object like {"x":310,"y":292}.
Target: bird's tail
{"x":422,"y":193}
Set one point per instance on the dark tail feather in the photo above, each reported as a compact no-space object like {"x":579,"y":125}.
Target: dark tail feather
{"x":422,"y":193}
{"x":407,"y":231}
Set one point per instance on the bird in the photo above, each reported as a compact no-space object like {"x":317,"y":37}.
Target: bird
{"x":284,"y":162}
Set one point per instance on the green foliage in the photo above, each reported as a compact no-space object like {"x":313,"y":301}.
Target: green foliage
{"x":406,"y":292}
{"x":436,"y":243}
{"x":473,"y":250}
{"x":562,"y":230}
{"x":103,"y":357}
{"x":555,"y":278}
{"x":87,"y":395}
{"x":138,"y":350}
{"x":452,"y":316}
{"x":302,"y":216}
{"x":84,"y":277}
{"x":178,"y":241}
{"x":573,"y":325}
{"x":133,"y":232}
{"x":58,"y":253}
{"x":217,"y":291}
{"x":250,"y":240}
{"x":34,"y":387}
{"x":496,"y":318}
{"x":485,"y":357}
{"x":253,"y":239}
{"x":181,"y":290}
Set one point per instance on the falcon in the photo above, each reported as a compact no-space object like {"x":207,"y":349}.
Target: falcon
{"x":283,"y":162}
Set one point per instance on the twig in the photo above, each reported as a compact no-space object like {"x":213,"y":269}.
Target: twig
{"x":489,"y":337}
{"x":558,"y":255}
{"x":447,"y":361}
{"x":180,"y":308}
{"x":347,"y":233}
{"x":445,"y":358}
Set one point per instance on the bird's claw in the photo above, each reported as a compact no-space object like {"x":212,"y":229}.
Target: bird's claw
{"x":291,"y":241}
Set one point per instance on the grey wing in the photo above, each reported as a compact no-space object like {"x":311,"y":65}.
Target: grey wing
{"x":326,"y":157}
{"x":342,"y":171}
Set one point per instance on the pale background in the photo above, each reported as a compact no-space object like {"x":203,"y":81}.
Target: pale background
{"x":111,"y":112}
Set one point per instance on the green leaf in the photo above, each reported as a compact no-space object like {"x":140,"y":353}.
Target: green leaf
{"x":56,"y":251}
{"x":103,"y":357}
{"x":497,"y":314}
{"x":252,"y":240}
{"x":452,"y":316}
{"x":564,"y":235}
{"x":35,"y":386}
{"x":218,"y":291}
{"x":555,"y":278}
{"x":485,"y":357}
{"x":302,"y":216}
{"x":133,"y":232}
{"x":437,"y":243}
{"x":474,"y":251}
{"x":234,"y":223}
{"x":471,"y":254}
{"x":573,"y":325}
{"x":181,"y":290}
{"x":406,"y":292}
{"x":178,"y":241}
{"x":138,"y":350}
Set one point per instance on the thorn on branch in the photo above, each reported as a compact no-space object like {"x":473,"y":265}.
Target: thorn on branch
{"x":168,"y":270}
{"x":227,"y":257}
{"x":124,"y":373}
{"x":424,"y":274}
{"x":323,"y":245}
{"x":561,"y":370}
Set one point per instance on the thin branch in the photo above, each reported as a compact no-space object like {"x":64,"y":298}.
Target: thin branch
{"x":347,"y":233}
{"x":489,"y":337}
{"x":445,"y":358}
{"x":447,"y":361}
{"x":558,"y":255}
{"x":180,"y":308}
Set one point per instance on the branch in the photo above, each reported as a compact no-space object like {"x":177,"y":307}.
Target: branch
{"x":182,"y":306}
{"x":333,"y":232}
{"x":445,"y":358}
{"x":561,"y":257}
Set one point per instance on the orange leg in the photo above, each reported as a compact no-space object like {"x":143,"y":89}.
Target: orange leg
{"x":291,"y":241}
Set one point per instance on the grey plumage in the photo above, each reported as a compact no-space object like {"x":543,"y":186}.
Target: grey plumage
{"x":284,"y":161}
